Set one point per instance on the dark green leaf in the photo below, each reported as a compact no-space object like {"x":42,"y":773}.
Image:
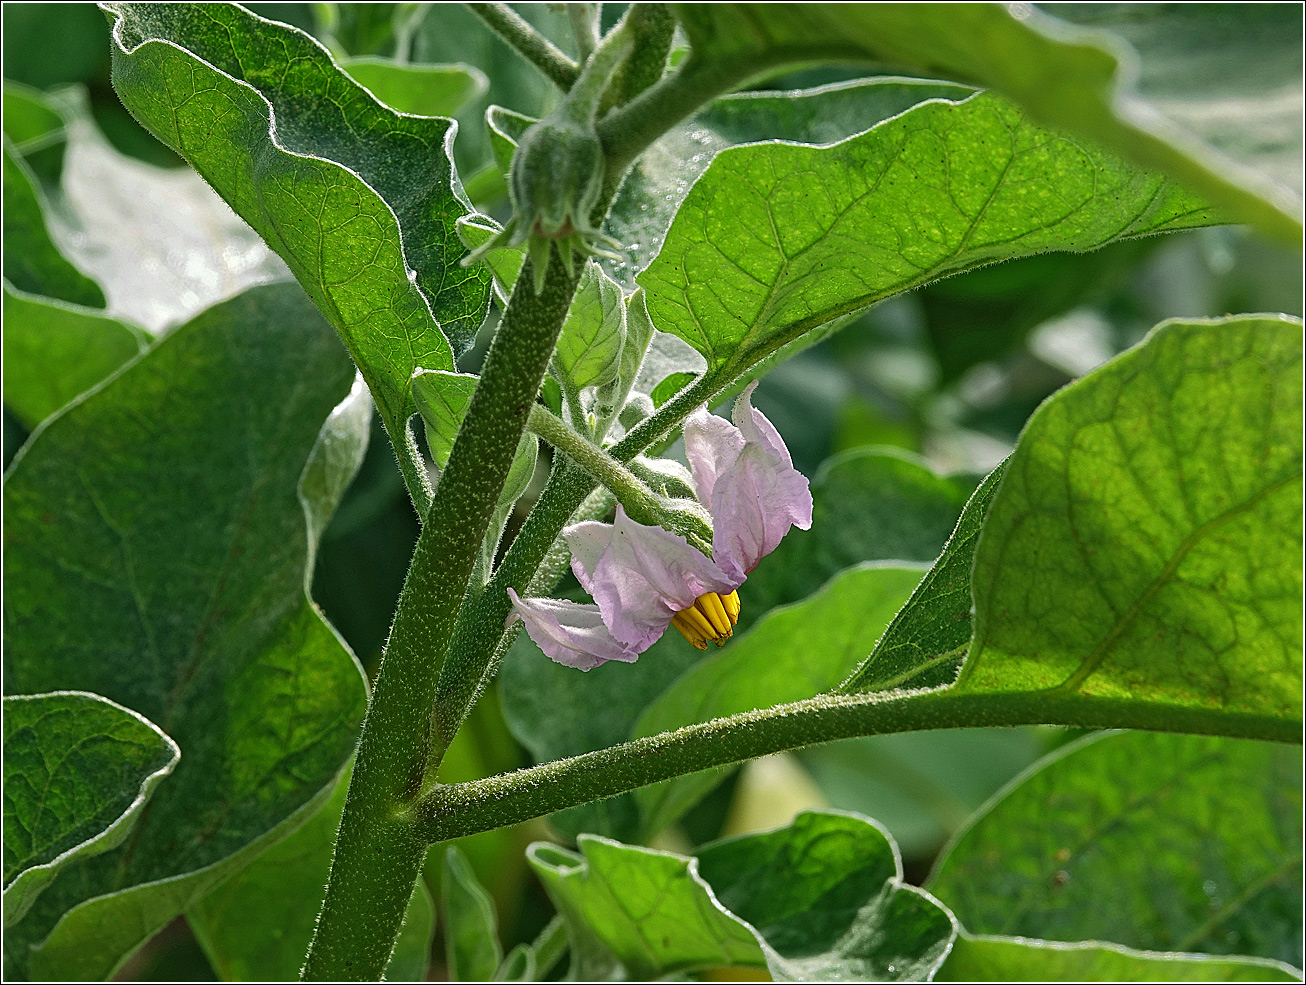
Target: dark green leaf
{"x":471,"y":929}
{"x":792,"y":653}
{"x":53,"y":351}
{"x":927,"y":640}
{"x":1144,"y":545}
{"x":335,"y":193}
{"x":78,"y":771}
{"x":868,"y":504}
{"x":776,"y":240}
{"x":1012,"y":959}
{"x":1067,"y":78}
{"x":257,"y":925}
{"x":158,"y":538}
{"x":32,"y":262}
{"x":820,"y":900}
{"x":1154,"y":841}
{"x":425,"y":90}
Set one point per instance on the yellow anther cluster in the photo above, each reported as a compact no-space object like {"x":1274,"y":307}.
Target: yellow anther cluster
{"x":711,"y":618}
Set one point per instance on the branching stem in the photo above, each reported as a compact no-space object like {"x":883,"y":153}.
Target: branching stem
{"x":528,"y":42}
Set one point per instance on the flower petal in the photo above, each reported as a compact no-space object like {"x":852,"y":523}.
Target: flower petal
{"x":570,"y":633}
{"x":711,"y":444}
{"x":646,"y":576}
{"x":588,"y":541}
{"x":758,"y":498}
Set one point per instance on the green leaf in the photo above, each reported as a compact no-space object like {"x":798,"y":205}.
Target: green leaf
{"x":1145,"y":543}
{"x":443,"y":399}
{"x":158,"y":542}
{"x":32,"y":262}
{"x":1155,"y":841}
{"x":926,"y":642}
{"x":590,"y":344}
{"x":1012,"y":959}
{"x":477,"y":230}
{"x":257,"y":925}
{"x":35,"y":130}
{"x":793,"y":653}
{"x":471,"y":929}
{"x":78,"y":771}
{"x":1067,"y":78}
{"x":333,"y":191}
{"x":657,"y":184}
{"x":424,"y":90}
{"x":53,"y":351}
{"x":795,"y":236}
{"x":868,"y":504}
{"x":819,"y":900}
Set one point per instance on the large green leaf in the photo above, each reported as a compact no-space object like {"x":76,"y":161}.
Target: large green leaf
{"x":32,"y":262}
{"x":257,"y":925}
{"x":354,"y":196}
{"x":1067,"y":78}
{"x":1145,"y":543}
{"x":35,"y":131}
{"x":158,"y":539}
{"x":792,"y":653}
{"x":1155,"y":841}
{"x":1014,"y":959}
{"x":78,"y":771}
{"x":927,"y":640}
{"x":819,"y":900}
{"x":776,"y":240}
{"x":53,"y":351}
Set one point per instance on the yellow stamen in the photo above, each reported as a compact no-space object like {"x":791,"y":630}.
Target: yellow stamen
{"x":710,"y":618}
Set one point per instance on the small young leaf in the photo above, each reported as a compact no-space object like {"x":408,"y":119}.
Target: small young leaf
{"x":32,"y":262}
{"x":53,"y":351}
{"x":819,"y":900}
{"x":792,"y":653}
{"x":477,"y":230}
{"x":165,"y":526}
{"x":1155,"y":841}
{"x":1145,"y":542}
{"x":471,"y":929}
{"x":78,"y":771}
{"x":589,"y":348}
{"x":776,"y":240}
{"x":423,"y":90}
{"x":1018,"y":959}
{"x":333,"y":191}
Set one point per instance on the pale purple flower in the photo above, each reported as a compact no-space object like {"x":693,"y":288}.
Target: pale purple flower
{"x":645,"y":579}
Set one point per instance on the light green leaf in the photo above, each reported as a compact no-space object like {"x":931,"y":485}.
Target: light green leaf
{"x":776,"y":240}
{"x":794,"y":652}
{"x":443,"y":399}
{"x":78,"y":771}
{"x":868,"y":503}
{"x":1155,"y":841}
{"x":54,"y":350}
{"x":424,"y":90}
{"x":32,"y":262}
{"x":477,"y":230}
{"x":471,"y":929}
{"x":1073,"y":80}
{"x":925,"y":644}
{"x":1145,"y":543}
{"x":35,"y":131}
{"x":1016,"y":959}
{"x":330,"y":185}
{"x":589,"y":346}
{"x":158,"y":542}
{"x":820,"y":900}
{"x":257,"y":925}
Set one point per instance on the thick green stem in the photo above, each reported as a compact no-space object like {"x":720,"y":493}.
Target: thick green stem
{"x":378,"y":853}
{"x":469,"y":808}
{"x":528,"y":42}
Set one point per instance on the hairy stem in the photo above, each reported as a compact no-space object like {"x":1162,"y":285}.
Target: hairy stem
{"x":416,"y":479}
{"x":468,"y":808}
{"x":378,"y":852}
{"x":528,"y":42}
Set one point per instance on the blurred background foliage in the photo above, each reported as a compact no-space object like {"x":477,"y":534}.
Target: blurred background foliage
{"x":946,"y":376}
